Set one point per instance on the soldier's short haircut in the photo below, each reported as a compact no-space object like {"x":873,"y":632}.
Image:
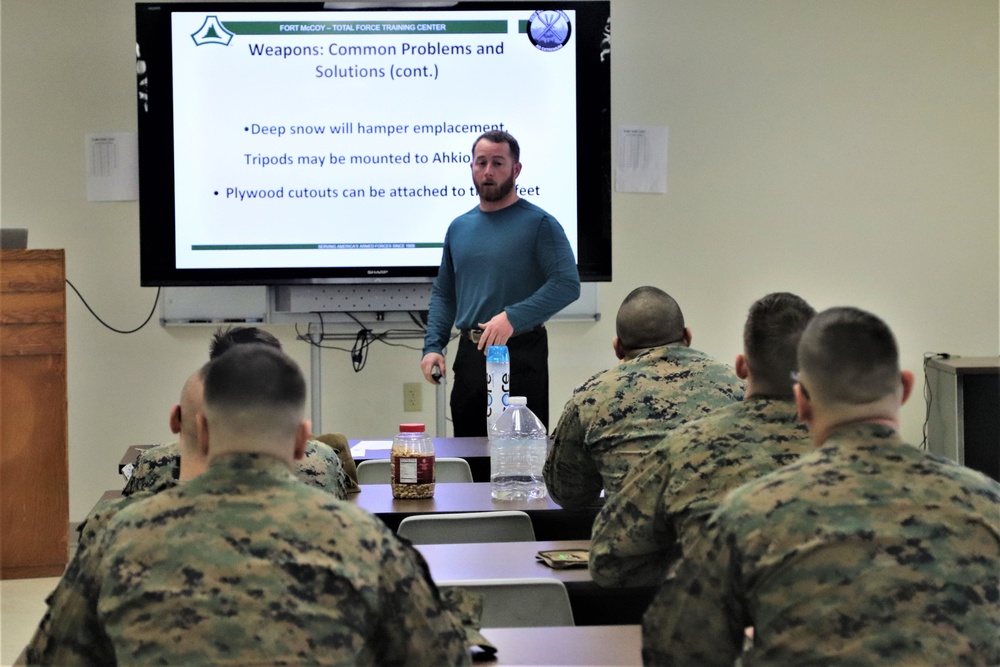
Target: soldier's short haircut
{"x":223,"y":340}
{"x":850,"y":356}
{"x":771,"y":339}
{"x":648,"y":317}
{"x":254,"y":377}
{"x":499,"y":137}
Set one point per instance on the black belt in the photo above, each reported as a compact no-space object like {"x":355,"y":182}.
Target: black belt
{"x":475,"y":334}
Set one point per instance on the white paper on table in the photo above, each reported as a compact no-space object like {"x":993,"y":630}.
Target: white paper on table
{"x":365,"y":445}
{"x":112,"y":166}
{"x":641,"y":159}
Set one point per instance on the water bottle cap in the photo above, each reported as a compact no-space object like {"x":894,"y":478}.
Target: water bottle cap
{"x":411,"y":428}
{"x":497,"y":353}
{"x":517,"y":400}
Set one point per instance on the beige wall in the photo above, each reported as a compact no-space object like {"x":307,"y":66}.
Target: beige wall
{"x":845,"y":150}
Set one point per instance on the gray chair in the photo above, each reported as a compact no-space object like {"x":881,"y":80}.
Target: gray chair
{"x":467,"y":527}
{"x":519,"y":603}
{"x":446,"y":469}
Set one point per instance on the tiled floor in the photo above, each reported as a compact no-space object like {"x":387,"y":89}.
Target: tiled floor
{"x":22,"y":603}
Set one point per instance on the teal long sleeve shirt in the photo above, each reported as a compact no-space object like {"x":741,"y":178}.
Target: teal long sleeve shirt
{"x":517,"y":260}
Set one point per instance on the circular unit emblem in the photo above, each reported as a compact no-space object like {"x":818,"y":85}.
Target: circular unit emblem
{"x":549,"y":29}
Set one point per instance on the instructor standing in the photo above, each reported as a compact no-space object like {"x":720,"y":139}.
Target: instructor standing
{"x":507,"y":267}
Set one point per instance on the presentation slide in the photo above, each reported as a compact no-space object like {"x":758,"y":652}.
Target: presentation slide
{"x":345,"y":138}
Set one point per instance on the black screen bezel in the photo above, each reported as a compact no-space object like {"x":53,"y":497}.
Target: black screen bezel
{"x":156,"y":167}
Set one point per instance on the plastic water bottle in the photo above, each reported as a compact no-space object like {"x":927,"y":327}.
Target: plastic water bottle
{"x":518,"y":445}
{"x":497,"y":382}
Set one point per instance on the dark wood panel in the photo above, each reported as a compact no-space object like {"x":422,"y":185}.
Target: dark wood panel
{"x":32,"y":271}
{"x":47,"y":338}
{"x":33,"y":307}
{"x":34,"y":477}
{"x":34,"y":466}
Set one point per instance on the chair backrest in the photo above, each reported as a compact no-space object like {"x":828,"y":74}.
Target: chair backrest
{"x":446,"y":469}
{"x":452,"y":469}
{"x":467,"y":527}
{"x":519,"y":603}
{"x":374,"y":471}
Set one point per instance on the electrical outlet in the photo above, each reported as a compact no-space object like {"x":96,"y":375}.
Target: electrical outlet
{"x":413,"y":397}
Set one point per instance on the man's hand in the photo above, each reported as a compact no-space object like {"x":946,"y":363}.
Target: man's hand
{"x":427,"y":364}
{"x":495,"y":332}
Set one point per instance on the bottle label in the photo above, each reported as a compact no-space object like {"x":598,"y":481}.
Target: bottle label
{"x":497,"y":393}
{"x":414,"y":470}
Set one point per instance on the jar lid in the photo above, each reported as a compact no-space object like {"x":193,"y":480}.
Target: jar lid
{"x":411,"y":428}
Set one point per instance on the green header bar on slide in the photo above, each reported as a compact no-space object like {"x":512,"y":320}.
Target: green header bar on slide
{"x":366,"y":27}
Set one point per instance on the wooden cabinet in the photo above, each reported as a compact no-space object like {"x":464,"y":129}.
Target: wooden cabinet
{"x":34,"y":465}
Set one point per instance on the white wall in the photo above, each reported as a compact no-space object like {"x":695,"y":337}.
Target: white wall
{"x":846,"y":150}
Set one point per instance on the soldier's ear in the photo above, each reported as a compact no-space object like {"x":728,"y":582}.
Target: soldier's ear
{"x":802,"y":404}
{"x":616,"y":345}
{"x":301,"y":437}
{"x":687,"y":337}
{"x":906,"y":377}
{"x":742,"y":368}
{"x":175,"y":419}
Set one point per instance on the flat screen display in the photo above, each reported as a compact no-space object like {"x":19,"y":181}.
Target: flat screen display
{"x":302,"y":143}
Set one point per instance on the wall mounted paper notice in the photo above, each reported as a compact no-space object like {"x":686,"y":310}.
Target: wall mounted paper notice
{"x":641,"y":159}
{"x":112,"y":167}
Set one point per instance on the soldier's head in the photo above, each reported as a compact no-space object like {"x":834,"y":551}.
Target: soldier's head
{"x":184,"y":423}
{"x":849,"y":370}
{"x":770,"y":340}
{"x":222,"y":340}
{"x":648,"y":317}
{"x":254,"y":402}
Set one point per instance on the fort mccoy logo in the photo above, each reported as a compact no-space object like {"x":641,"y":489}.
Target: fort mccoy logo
{"x":549,"y":29}
{"x":212,"y":32}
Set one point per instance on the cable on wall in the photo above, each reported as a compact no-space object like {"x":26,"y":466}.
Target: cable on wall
{"x":98,"y":318}
{"x":928,"y":394}
{"x":363,"y":338}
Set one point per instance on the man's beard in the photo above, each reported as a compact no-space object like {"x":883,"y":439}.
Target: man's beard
{"x":498,"y":192}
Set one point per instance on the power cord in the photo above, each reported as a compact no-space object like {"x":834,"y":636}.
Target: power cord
{"x":928,"y":394}
{"x":98,"y":318}
{"x":362,"y":339}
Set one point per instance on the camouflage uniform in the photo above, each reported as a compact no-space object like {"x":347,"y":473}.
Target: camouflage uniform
{"x":321,"y":467}
{"x":247,"y":565}
{"x":864,"y":552}
{"x":618,"y":415}
{"x":669,"y":495}
{"x":91,"y":527}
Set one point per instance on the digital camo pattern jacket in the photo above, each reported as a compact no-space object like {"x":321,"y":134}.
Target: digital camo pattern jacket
{"x":618,"y":415}
{"x":247,"y":565}
{"x":320,"y":467}
{"x":669,"y":494}
{"x":865,"y":552}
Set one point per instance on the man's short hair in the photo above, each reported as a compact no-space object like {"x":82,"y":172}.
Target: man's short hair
{"x":850,"y":356}
{"x":648,"y":317}
{"x":499,"y":137}
{"x":254,"y":383}
{"x":771,"y":339}
{"x":223,"y":340}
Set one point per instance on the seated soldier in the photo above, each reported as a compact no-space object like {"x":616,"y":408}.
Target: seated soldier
{"x":192,"y":464}
{"x":246,"y":564}
{"x":866,"y":551}
{"x":616,"y":416}
{"x":323,"y":465}
{"x":670,"y":493}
